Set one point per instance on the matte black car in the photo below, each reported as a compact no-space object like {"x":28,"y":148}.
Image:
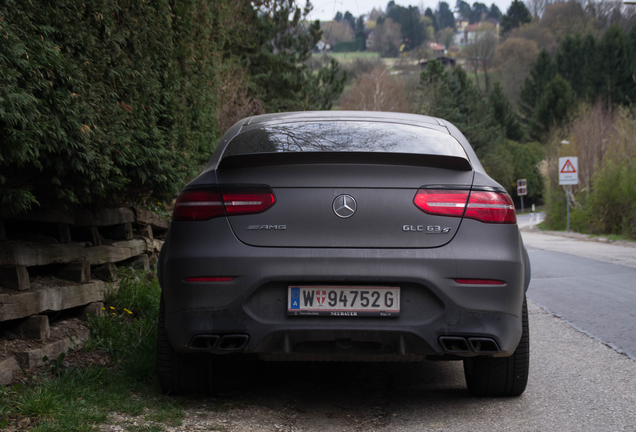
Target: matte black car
{"x":345,"y":236}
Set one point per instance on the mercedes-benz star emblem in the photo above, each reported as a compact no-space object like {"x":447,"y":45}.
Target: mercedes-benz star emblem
{"x":344,"y":206}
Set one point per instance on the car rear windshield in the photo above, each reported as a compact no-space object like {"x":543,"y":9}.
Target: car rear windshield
{"x":344,"y":136}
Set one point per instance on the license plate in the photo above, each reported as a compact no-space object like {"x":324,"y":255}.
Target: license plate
{"x":343,"y":301}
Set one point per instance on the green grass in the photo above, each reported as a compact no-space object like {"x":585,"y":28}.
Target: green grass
{"x":79,"y":399}
{"x":351,"y":56}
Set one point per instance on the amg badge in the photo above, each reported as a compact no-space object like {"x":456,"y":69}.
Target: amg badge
{"x":267,"y":227}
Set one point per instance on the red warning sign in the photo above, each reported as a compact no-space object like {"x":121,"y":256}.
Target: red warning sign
{"x":568,"y":168}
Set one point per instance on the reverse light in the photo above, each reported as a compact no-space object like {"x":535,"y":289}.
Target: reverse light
{"x":201,"y":205}
{"x":484,"y":206}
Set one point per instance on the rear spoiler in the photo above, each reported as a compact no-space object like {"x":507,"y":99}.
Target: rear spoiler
{"x":306,"y":158}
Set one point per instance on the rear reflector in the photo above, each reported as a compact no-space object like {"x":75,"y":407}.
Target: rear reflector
{"x":484,"y":206}
{"x":200,"y":205}
{"x":210,"y":279}
{"x":479,"y":282}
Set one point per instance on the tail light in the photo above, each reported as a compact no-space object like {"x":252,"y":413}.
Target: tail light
{"x":200,"y":205}
{"x":484,"y":206}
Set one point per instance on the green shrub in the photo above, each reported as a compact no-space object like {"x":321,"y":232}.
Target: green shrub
{"x":611,"y":205}
{"x":104,"y":100}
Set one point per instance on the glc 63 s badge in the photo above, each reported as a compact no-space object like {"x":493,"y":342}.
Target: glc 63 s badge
{"x":429,"y":229}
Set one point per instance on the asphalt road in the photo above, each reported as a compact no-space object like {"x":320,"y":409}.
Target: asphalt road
{"x":596,"y":296}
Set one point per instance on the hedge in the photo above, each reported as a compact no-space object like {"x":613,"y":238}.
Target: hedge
{"x":105,"y":101}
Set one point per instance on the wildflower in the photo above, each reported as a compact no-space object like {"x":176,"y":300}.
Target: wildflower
{"x":103,"y":308}
{"x":112,"y":308}
{"x":129,"y":312}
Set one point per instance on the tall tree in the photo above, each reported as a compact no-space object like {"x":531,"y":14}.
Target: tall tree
{"x":338,"y":17}
{"x":430,"y":15}
{"x":494,"y":12}
{"x":617,"y":59}
{"x":445,"y":17}
{"x":478,"y":11}
{"x":570,"y":63}
{"x":516,"y":15}
{"x":275,"y":52}
{"x":413,"y":30}
{"x":554,"y":106}
{"x":359,"y":33}
{"x":542,"y":72}
{"x":504,"y":114}
{"x":463,"y":9}
{"x":453,"y":97}
{"x":350,"y":19}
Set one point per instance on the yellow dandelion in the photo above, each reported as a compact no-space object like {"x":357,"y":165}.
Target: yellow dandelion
{"x":129,"y":312}
{"x":114,"y":313}
{"x":103,"y":308}
{"x":112,"y":308}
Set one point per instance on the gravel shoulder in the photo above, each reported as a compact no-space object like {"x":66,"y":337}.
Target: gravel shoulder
{"x":576,"y":383}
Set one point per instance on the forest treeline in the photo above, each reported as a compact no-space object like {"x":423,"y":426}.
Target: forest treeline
{"x":524,"y":93}
{"x":120,"y":101}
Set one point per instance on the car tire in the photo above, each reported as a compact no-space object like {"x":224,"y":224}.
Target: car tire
{"x":180,"y":373}
{"x":501,"y":376}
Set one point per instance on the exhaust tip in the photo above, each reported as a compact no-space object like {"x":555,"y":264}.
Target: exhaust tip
{"x":483,"y":345}
{"x":454,"y":344}
{"x":234,"y":342}
{"x":204,"y":342}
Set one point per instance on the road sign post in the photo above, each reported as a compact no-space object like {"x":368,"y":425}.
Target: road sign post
{"x":568,"y":175}
{"x":522,"y":189}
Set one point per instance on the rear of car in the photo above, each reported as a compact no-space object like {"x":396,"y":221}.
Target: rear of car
{"x":344,"y":236}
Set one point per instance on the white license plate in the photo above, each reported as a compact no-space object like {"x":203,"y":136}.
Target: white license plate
{"x":343,"y":301}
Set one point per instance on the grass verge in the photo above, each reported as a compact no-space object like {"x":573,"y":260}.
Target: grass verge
{"x":63,"y":397}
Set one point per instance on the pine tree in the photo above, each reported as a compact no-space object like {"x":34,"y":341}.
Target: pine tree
{"x":617,"y":60}
{"x":504,"y":114}
{"x":445,"y":16}
{"x":276,"y":51}
{"x":495,"y":12}
{"x":591,"y":72}
{"x":516,"y":15}
{"x":570,"y":63}
{"x":429,"y":13}
{"x":543,"y":70}
{"x":554,"y":106}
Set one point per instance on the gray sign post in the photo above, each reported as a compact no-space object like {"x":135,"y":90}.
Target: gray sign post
{"x":568,"y":175}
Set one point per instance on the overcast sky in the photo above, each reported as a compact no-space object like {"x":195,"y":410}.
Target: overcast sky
{"x":324,"y":10}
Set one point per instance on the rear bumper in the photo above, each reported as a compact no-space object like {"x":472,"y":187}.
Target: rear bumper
{"x":254,"y":302}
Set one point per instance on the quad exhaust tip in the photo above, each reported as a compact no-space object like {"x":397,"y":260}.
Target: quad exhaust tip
{"x":220,"y":343}
{"x":461,"y":345}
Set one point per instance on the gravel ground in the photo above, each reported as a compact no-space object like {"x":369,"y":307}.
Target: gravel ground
{"x":576,"y":384}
